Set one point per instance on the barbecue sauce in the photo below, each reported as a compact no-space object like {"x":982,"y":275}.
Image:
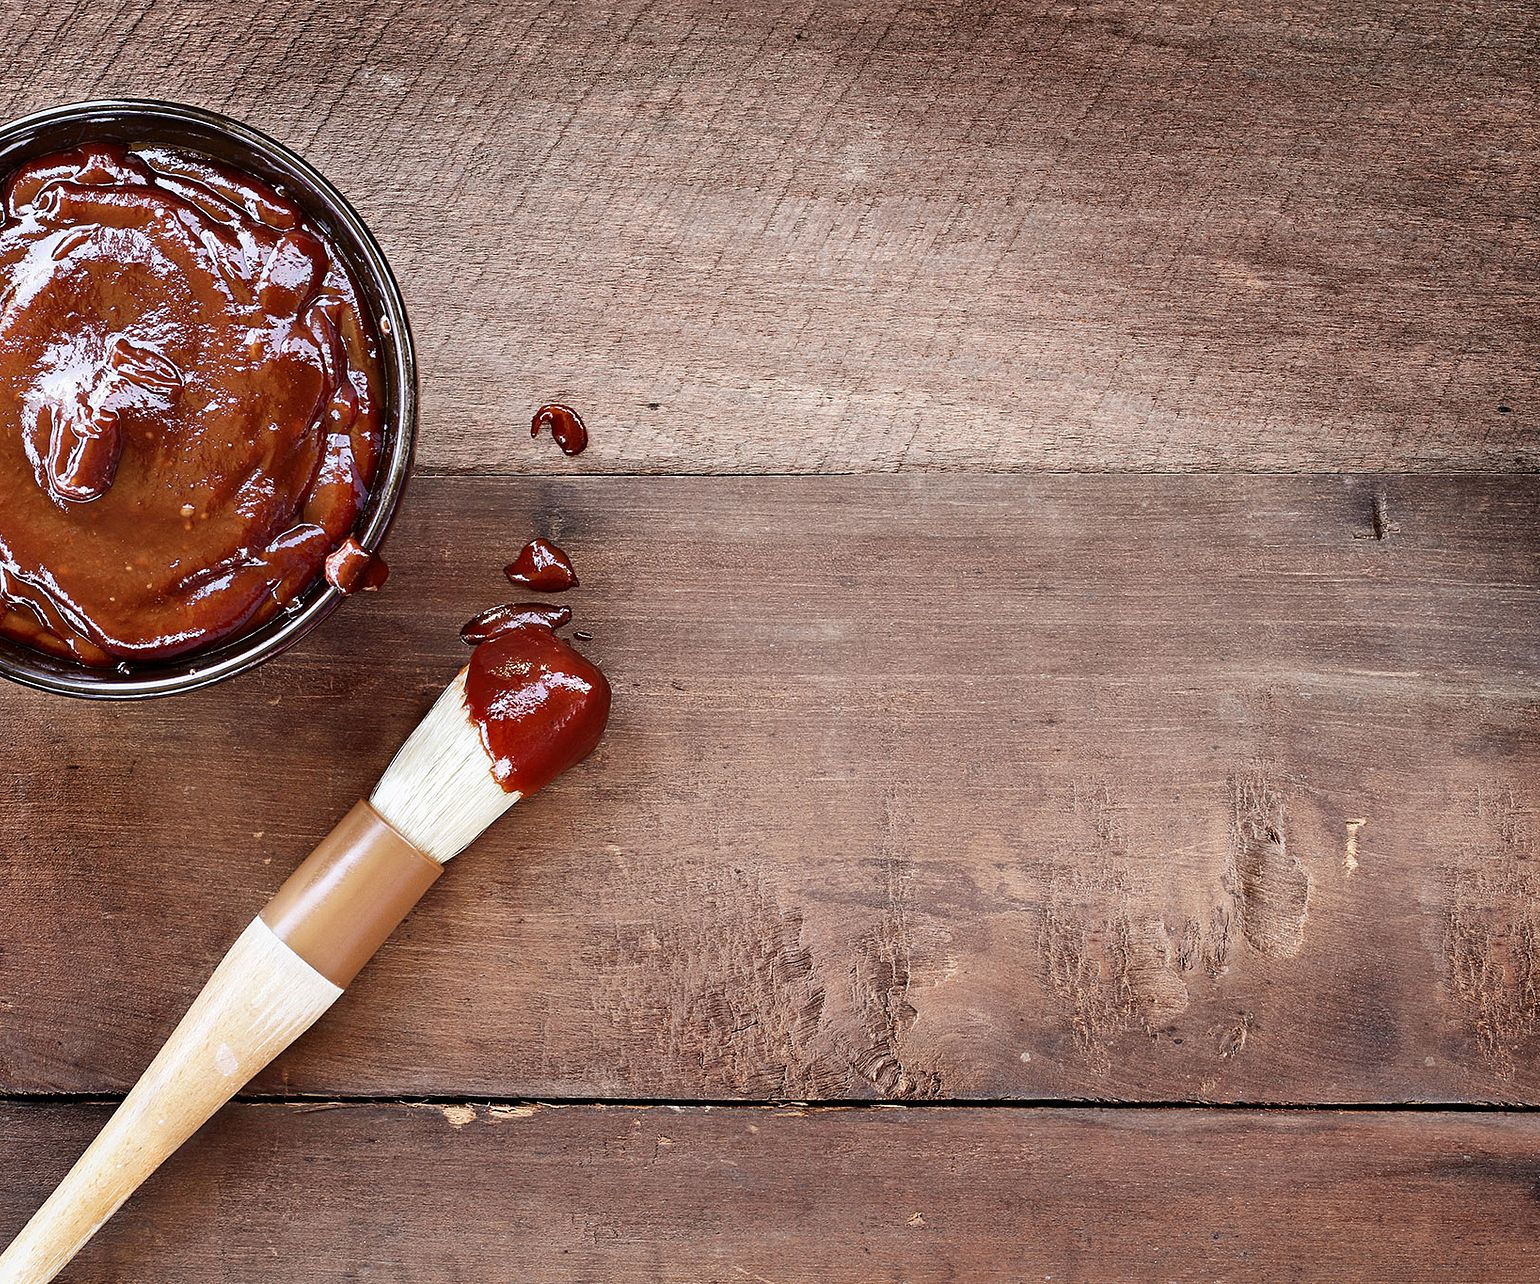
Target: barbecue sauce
{"x":540,"y":706}
{"x":189,"y":404}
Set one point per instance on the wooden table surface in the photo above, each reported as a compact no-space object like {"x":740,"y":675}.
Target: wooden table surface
{"x":1061,"y":528}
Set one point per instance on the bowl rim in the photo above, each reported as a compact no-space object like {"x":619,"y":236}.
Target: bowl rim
{"x":363,"y":255}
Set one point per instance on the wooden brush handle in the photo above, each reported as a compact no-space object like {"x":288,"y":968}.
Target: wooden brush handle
{"x":259,"y":1000}
{"x":286,"y":969}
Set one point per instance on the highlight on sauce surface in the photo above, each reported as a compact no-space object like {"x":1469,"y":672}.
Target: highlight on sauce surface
{"x":539,"y":705}
{"x":189,"y":404}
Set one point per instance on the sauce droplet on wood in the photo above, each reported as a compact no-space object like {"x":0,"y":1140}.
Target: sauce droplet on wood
{"x":566,"y":427}
{"x":543,"y":567}
{"x":512,"y":615}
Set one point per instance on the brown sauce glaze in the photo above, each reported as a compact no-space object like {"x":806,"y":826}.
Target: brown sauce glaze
{"x":543,"y":567}
{"x":512,"y":615}
{"x":189,"y":403}
{"x":540,"y":706}
{"x":566,"y":427}
{"x":353,"y":569}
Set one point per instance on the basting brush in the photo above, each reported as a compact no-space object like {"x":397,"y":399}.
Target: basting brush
{"x":525,"y":708}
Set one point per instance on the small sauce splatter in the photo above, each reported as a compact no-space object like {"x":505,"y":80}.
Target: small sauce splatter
{"x":351,"y":568}
{"x":543,"y":567}
{"x":513,"y":615}
{"x":539,"y":705}
{"x":566,"y":427}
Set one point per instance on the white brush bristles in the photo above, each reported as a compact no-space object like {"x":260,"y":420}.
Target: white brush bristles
{"x":439,"y":791}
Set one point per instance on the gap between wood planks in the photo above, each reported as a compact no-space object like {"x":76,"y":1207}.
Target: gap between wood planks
{"x":441,"y":473}
{"x":340,"y":1101}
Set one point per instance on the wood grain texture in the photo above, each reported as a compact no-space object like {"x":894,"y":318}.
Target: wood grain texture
{"x":795,"y":237}
{"x":1194,"y":788}
{"x":1162,"y":788}
{"x":438,"y":1194}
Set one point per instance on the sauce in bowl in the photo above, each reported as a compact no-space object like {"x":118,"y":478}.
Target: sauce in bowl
{"x":190,"y":403}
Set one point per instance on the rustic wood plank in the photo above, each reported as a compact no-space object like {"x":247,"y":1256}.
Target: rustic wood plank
{"x":855,"y":237}
{"x":432,"y":1193}
{"x":1152,"y":788}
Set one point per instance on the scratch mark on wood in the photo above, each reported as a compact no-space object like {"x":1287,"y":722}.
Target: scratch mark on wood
{"x":881,"y":977}
{"x":1115,"y":972}
{"x":500,"y":1114}
{"x":459,"y":1116}
{"x":729,"y":980}
{"x":1205,"y":949}
{"x":1350,"y":846}
{"x":1379,"y":517}
{"x":1270,"y":886}
{"x":1380,"y":525}
{"x":1114,"y":975}
{"x":1492,"y":933}
{"x":1233,"y":1038}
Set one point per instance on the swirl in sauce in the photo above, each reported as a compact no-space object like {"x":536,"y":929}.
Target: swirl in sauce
{"x":189,"y":403}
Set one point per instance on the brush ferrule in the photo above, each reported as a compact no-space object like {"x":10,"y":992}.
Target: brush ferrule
{"x":338,"y":907}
